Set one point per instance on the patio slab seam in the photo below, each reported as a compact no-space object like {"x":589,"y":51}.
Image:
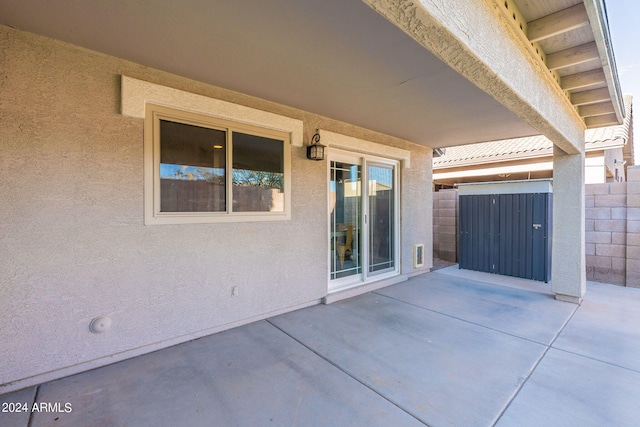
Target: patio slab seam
{"x":35,"y":400}
{"x":349,"y":374}
{"x":499,"y":410}
{"x":535,"y":365}
{"x":538,"y":371}
{"x":596,"y":359}
{"x":479,"y":324}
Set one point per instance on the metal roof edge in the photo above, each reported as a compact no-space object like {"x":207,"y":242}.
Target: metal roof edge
{"x":597,"y":12}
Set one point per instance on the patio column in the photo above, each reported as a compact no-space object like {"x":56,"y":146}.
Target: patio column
{"x":568,"y":273}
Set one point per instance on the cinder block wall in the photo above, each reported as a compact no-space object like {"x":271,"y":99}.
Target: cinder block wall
{"x":606,"y":232}
{"x":633,"y":226}
{"x":445,"y":225}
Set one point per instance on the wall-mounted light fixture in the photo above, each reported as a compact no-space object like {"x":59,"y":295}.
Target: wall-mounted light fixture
{"x":315,"y":150}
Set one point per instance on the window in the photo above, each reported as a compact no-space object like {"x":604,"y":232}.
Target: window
{"x":204,"y":169}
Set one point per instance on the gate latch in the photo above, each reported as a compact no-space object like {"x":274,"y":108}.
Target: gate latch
{"x":536,"y":226}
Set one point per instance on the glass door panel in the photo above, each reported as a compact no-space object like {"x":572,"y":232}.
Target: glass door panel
{"x":345,"y":211}
{"x":381,"y":197}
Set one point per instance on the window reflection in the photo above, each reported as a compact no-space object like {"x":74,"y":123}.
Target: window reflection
{"x":258,"y":174}
{"x":345,"y":192}
{"x":192,"y":168}
{"x":381,"y":214}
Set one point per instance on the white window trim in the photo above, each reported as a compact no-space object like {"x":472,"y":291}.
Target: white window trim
{"x":137,"y":94}
{"x":152,"y":214}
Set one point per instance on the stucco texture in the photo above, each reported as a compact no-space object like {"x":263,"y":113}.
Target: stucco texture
{"x":74,"y":244}
{"x":477,"y":48}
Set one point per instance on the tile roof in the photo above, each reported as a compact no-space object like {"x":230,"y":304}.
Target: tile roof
{"x":533,"y":146}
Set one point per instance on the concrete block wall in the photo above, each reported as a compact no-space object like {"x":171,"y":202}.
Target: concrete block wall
{"x":633,"y":226}
{"x":445,"y":225}
{"x":606,"y":232}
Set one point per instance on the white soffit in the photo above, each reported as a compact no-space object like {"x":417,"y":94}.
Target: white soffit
{"x":508,"y":169}
{"x":506,"y":187}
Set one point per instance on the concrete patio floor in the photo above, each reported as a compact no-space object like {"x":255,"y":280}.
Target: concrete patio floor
{"x":448,"y":348}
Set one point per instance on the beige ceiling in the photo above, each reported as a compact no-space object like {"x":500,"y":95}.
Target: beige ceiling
{"x":337,"y":58}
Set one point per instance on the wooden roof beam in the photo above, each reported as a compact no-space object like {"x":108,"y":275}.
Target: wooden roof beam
{"x":557,"y":23}
{"x":590,"y":96}
{"x":583,"y":80}
{"x":600,"y":121}
{"x":599,"y":109}
{"x":573,"y":56}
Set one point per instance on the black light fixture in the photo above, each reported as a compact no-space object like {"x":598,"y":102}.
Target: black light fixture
{"x":315,"y":150}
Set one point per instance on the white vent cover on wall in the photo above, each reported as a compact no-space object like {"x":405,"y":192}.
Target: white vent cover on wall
{"x":418,"y":255}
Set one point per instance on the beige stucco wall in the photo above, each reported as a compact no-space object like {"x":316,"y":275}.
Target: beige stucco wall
{"x":480,"y":41}
{"x":73,"y":241}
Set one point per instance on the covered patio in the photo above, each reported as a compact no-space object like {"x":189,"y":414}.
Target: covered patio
{"x":106,"y":106}
{"x":451,"y":347}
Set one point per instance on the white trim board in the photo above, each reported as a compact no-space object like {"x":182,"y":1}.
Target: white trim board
{"x":506,"y":187}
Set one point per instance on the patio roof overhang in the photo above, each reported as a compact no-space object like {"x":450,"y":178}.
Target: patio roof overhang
{"x":575,"y":44}
{"x":343,"y":60}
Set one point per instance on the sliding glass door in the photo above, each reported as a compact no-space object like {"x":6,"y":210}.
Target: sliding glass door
{"x":345,"y":219}
{"x":362,"y":219}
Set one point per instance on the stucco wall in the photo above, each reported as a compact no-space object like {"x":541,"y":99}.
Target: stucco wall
{"x":74,"y":243}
